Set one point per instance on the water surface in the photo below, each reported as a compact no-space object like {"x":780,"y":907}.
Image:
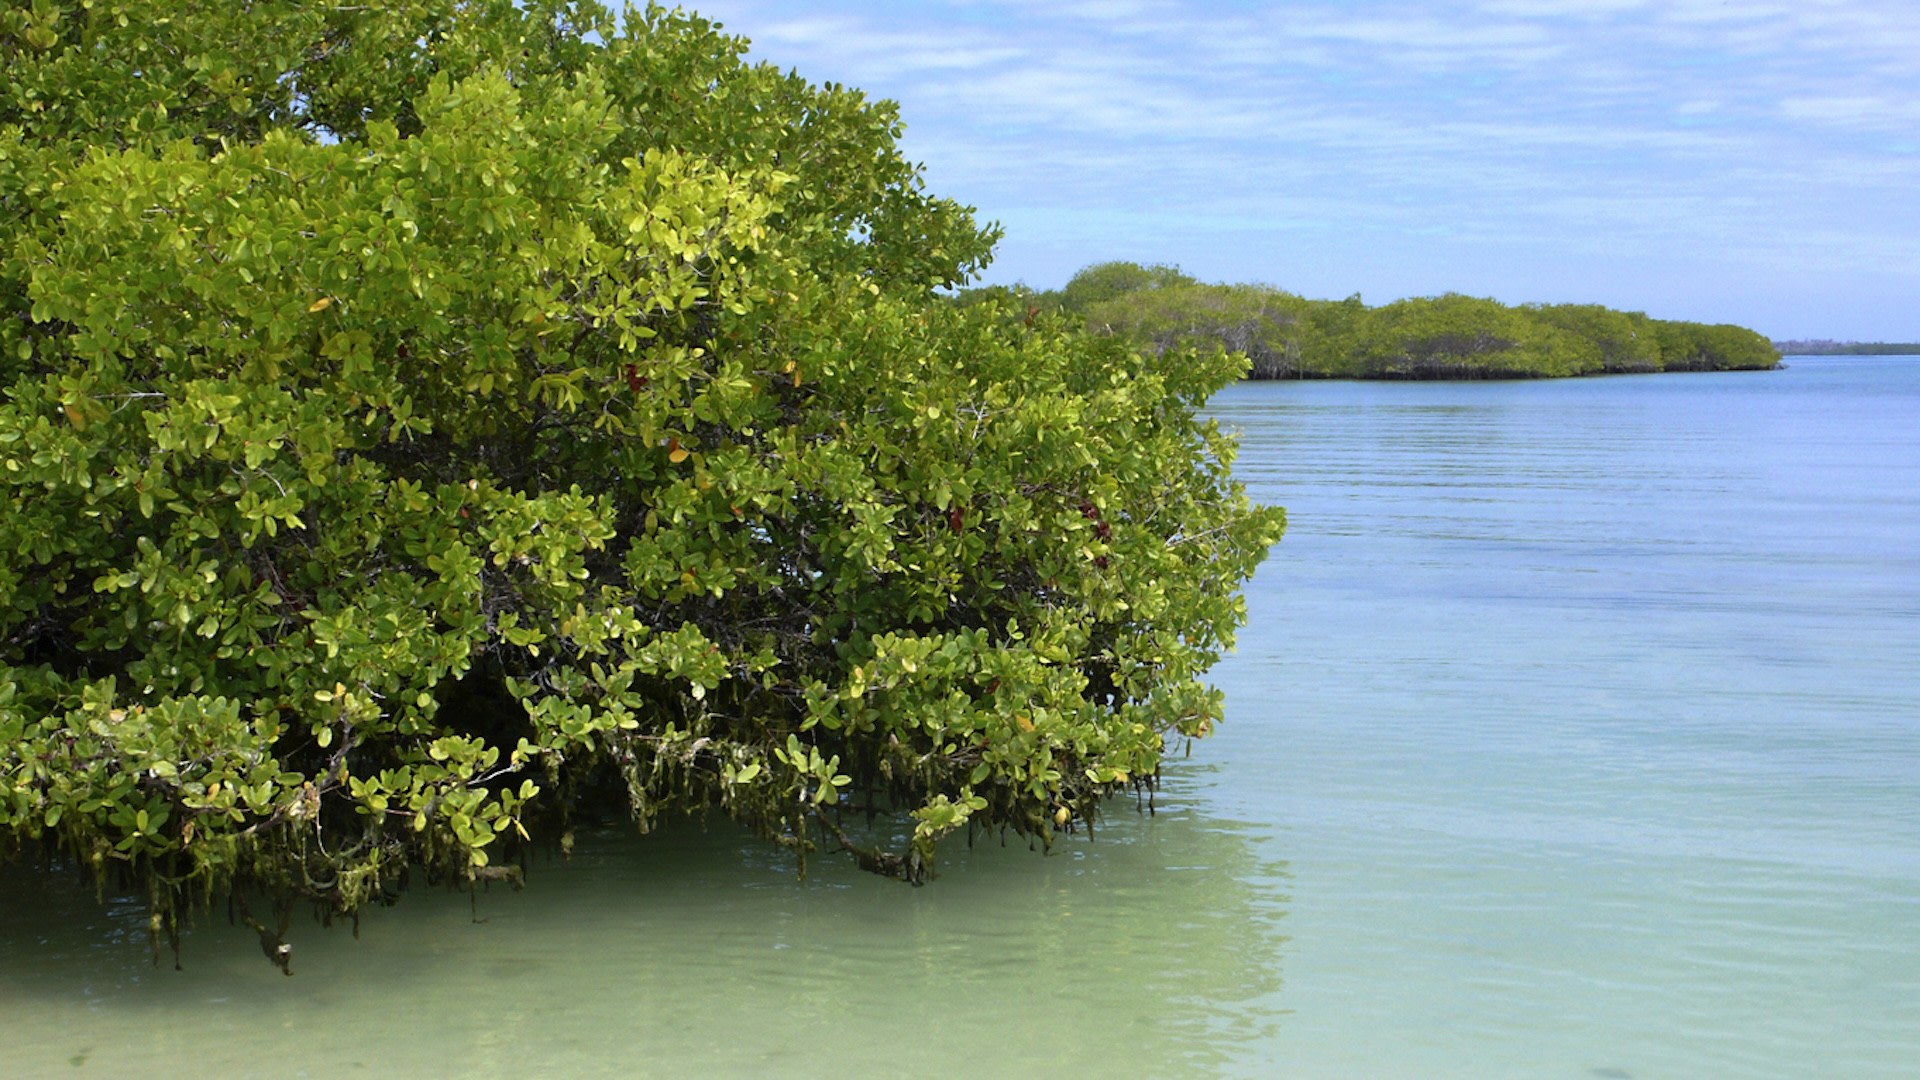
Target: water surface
{"x":1588,"y":714}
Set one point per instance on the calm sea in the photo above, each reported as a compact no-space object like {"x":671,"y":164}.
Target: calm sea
{"x":1575,"y":733}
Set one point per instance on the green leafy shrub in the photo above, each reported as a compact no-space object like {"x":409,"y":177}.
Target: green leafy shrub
{"x":1103,"y":282}
{"x":1626,"y":342}
{"x":1260,"y":323}
{"x":1691,"y":346}
{"x":1442,"y":337}
{"x":1464,"y":337}
{"x":425,"y":424}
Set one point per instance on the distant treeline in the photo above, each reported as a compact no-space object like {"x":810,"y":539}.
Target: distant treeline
{"x":1848,"y":348}
{"x":1442,"y":337}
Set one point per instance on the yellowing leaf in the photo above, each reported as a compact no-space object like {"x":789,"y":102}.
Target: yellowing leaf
{"x":321,"y":304}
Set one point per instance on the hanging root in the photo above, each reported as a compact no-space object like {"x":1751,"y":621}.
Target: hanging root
{"x":272,"y":942}
{"x":910,"y":868}
{"x":163,"y":920}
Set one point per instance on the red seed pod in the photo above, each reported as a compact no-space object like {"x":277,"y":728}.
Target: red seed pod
{"x":1100,"y":561}
{"x":957,"y":520}
{"x":1103,"y":530}
{"x":635,"y":381}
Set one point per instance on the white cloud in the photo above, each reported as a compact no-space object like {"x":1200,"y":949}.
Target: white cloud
{"x":1865,"y":111}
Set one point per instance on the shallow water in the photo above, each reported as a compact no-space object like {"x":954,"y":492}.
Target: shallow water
{"x":1594,"y":741}
{"x":1576,"y":733}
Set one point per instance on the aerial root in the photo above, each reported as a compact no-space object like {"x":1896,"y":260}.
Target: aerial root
{"x":272,"y":942}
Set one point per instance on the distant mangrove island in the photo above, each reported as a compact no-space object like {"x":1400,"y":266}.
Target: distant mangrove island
{"x":1452,"y":336}
{"x":1823,"y":347}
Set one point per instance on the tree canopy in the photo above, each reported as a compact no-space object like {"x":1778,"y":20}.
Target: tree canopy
{"x":1442,"y":337}
{"x":426,"y":425}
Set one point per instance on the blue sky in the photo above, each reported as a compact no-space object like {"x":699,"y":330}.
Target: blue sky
{"x":1749,"y":161}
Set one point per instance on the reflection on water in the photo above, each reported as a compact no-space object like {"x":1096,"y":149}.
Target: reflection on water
{"x":1152,"y":950}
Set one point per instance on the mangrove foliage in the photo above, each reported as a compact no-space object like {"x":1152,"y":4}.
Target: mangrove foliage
{"x":1826,"y":347}
{"x":427,"y":425}
{"x":1285,"y":336}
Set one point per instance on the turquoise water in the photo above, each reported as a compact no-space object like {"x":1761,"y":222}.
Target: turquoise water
{"x":1576,"y":733}
{"x":1588,"y":715}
